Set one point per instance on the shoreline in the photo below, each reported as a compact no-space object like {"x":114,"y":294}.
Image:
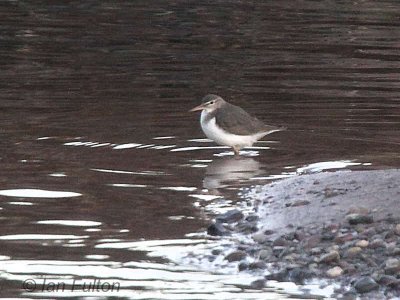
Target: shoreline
{"x":341,"y":226}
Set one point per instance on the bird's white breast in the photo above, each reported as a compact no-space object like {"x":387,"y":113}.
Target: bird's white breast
{"x":220,"y":136}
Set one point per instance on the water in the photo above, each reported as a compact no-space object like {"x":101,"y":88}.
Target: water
{"x":105,"y":175}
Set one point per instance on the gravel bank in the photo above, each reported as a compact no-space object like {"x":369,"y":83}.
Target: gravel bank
{"x":343,"y":226}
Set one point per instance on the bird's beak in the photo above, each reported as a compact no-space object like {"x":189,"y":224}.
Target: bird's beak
{"x":200,"y":107}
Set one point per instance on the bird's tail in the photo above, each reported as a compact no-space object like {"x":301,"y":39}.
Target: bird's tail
{"x":271,"y":129}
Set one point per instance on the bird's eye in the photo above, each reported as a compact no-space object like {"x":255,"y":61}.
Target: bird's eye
{"x":211,"y":102}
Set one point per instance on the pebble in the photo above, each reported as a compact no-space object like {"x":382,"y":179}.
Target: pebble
{"x":300,"y":203}
{"x":299,"y":235}
{"x":349,"y":295}
{"x":252,"y":218}
{"x":269,"y":232}
{"x":369,"y":231}
{"x":388,"y":280}
{"x":247,"y":227}
{"x":392,"y":266}
{"x":395,"y":251}
{"x":291,"y":257}
{"x":316,"y":251}
{"x":278,"y":276}
{"x":365,"y":285}
{"x":312,"y":241}
{"x":377,"y":243}
{"x":362,"y":243}
{"x":230,"y":216}
{"x":217,"y":229}
{"x":236,"y":256}
{"x":332,"y":256}
{"x":216,"y":251}
{"x":342,"y":238}
{"x":299,"y":275}
{"x":278,"y":250}
{"x":258,"y":284}
{"x":265,"y":253}
{"x":358,"y":210}
{"x":334,"y":272}
{"x":397,"y":229}
{"x":243,"y":266}
{"x":353,"y":251}
{"x":260,"y":238}
{"x":347,"y":267}
{"x":257,"y":265}
{"x":280,"y":242}
{"x":328,"y":236}
{"x":355,"y":219}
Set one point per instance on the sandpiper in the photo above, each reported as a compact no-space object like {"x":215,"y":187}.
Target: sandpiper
{"x":229,"y":125}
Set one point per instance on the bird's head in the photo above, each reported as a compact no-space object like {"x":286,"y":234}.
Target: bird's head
{"x":209,"y":103}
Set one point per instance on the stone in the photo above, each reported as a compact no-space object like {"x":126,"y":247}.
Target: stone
{"x":353,"y":251}
{"x":217,"y":229}
{"x":365,"y":285}
{"x":397,"y":229}
{"x":382,"y":227}
{"x":216,"y":251}
{"x":257,"y":265}
{"x":328,"y":192}
{"x":392,"y":266}
{"x":377,"y":243}
{"x":269,"y":232}
{"x":246,"y":227}
{"x":258,"y":284}
{"x":265,"y":253}
{"x":347,"y":267}
{"x":368,"y":232}
{"x":395,"y":251}
{"x":328,"y":236}
{"x":235,"y":256}
{"x":316,"y":251}
{"x":312,"y":241}
{"x":260,"y":238}
{"x":390,"y":246}
{"x":349,"y":295}
{"x":252,"y":218}
{"x":299,"y":235}
{"x":388,"y":280}
{"x":280,"y":242}
{"x":334,"y":272}
{"x":278,"y":251}
{"x":278,"y":276}
{"x":355,"y":219}
{"x":358,"y":210}
{"x":290,"y":236}
{"x":243,"y":266}
{"x":300,"y":203}
{"x":211,"y":258}
{"x":342,"y":238}
{"x":332,"y":256}
{"x":362,"y":243}
{"x":299,"y":275}
{"x":230,"y":216}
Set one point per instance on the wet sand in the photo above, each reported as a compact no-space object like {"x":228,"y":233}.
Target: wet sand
{"x":325,"y":198}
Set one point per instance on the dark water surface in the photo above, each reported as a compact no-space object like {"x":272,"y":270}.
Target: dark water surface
{"x":104,"y":173}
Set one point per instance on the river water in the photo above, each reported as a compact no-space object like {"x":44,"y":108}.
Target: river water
{"x":106,"y":176}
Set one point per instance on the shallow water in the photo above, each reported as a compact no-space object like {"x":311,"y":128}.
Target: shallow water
{"x":106,"y":175}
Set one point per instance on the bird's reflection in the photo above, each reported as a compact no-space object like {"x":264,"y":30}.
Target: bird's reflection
{"x":230,"y":171}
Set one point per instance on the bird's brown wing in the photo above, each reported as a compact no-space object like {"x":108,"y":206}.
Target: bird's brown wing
{"x":237,"y":121}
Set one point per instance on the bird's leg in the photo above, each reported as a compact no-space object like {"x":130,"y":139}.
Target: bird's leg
{"x":236,"y":151}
